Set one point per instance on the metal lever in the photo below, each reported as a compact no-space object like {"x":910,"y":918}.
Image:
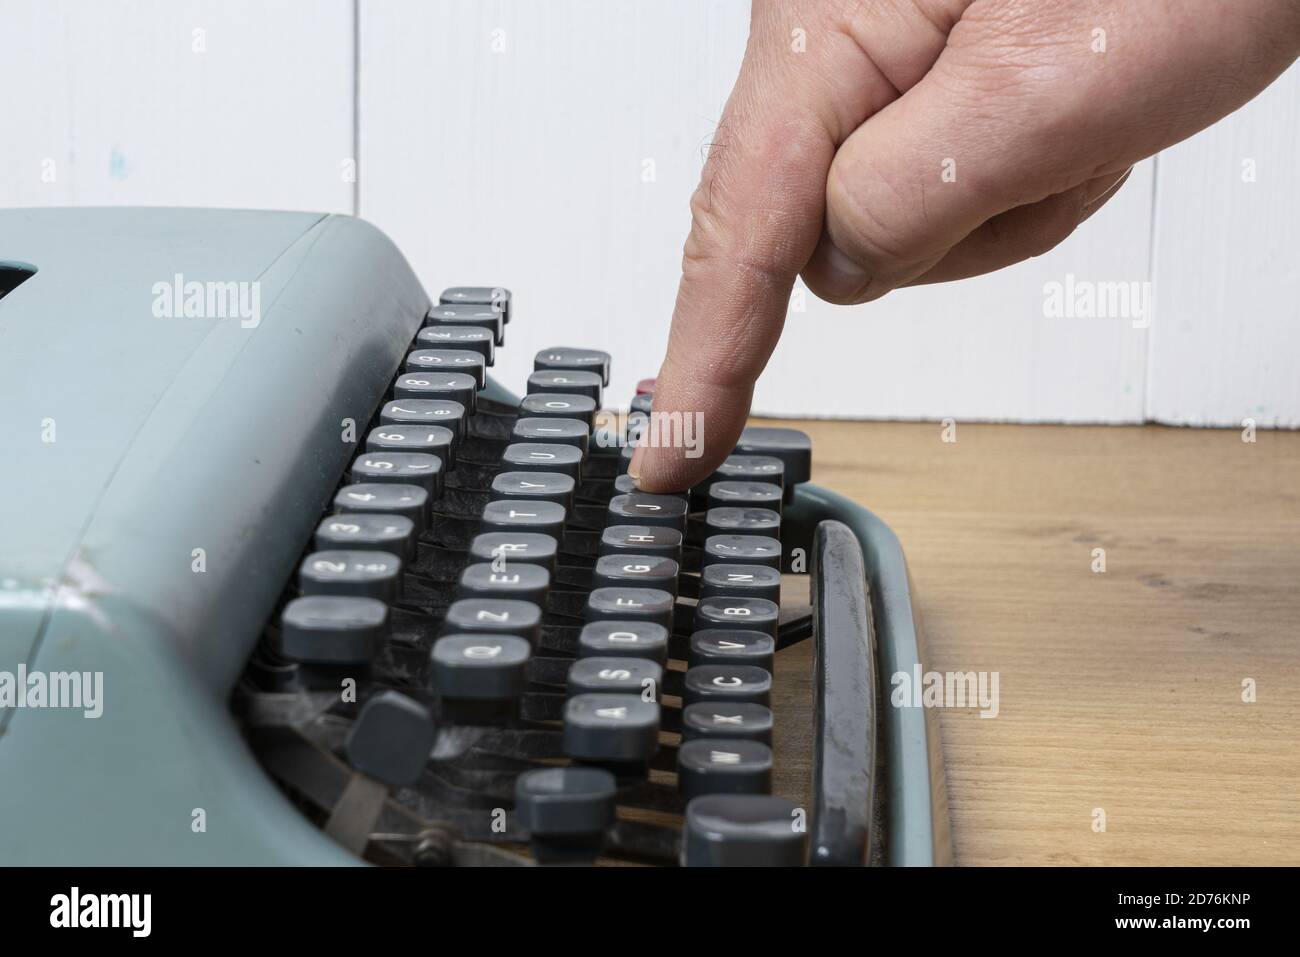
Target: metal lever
{"x":844,"y":688}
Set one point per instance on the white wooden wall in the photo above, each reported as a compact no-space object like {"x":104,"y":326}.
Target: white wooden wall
{"x":552,"y":146}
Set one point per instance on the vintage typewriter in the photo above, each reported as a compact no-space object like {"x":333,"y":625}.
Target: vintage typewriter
{"x":350,"y":600}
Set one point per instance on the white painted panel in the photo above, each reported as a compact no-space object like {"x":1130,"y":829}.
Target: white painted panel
{"x":984,"y":348}
{"x":114,"y":100}
{"x":1226,"y":338}
{"x":523,"y":164}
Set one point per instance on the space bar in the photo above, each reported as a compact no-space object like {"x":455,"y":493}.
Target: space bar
{"x":844,"y":689}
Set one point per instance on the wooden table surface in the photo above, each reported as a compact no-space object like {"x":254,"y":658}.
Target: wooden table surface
{"x":1123,"y":736}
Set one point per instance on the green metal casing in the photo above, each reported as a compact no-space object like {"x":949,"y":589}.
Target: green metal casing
{"x":161,"y":477}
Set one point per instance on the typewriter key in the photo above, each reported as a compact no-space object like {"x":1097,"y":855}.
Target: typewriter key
{"x":498,"y":297}
{"x":469,"y":338}
{"x":519,"y":581}
{"x":741,"y":581}
{"x":555,"y":405}
{"x":468,"y":314}
{"x":624,"y":639}
{"x":746,"y":614}
{"x":332,"y":629}
{"x":363,"y":574}
{"x":561,"y":358}
{"x":534,"y":487}
{"x":723,"y":766}
{"x":743,"y":830}
{"x":565,"y":382}
{"x":467,"y":361}
{"x":391,"y":739}
{"x":632,"y":604}
{"x":740,"y":719}
{"x":401,"y":468}
{"x":618,"y":729}
{"x":410,"y":501}
{"x":635,"y":676}
{"x":394,"y":534}
{"x":643,"y":508}
{"x":730,"y":646}
{"x":552,"y":431}
{"x":543,"y":457}
{"x":505,"y":616}
{"x":727,"y":684}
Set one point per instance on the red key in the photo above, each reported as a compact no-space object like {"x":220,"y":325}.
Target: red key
{"x":645,"y":387}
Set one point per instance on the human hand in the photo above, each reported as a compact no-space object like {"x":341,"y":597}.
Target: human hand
{"x":917,"y":141}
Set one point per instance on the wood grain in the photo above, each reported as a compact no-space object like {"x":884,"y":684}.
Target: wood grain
{"x":1119,"y":691}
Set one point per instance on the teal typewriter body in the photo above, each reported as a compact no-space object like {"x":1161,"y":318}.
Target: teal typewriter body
{"x":184,"y":394}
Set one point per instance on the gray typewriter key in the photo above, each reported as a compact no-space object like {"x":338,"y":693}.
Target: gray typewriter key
{"x":503,"y":616}
{"x":640,"y":403}
{"x":565,"y":811}
{"x":400,"y":468}
{"x":741,"y":581}
{"x":370,"y":532}
{"x":745,"y":495}
{"x":495,"y":296}
{"x":391,"y":739}
{"x":732,"y":646}
{"x":431,"y":439}
{"x":552,"y":432}
{"x":624,"y":639}
{"x":449,"y":360}
{"x":727,"y":684}
{"x":741,"y":719}
{"x":470,"y":338}
{"x":329,"y":629}
{"x":791,"y":446}
{"x":457,"y":386}
{"x":636,"y":571}
{"x":742,"y":550}
{"x":743,"y":830}
{"x":618,"y":728}
{"x":554,"y":405}
{"x":408,"y":500}
{"x":534,"y":487}
{"x":543,"y":457}
{"x":505,"y":515}
{"x":636,"y":676}
{"x":630,"y":604}
{"x":503,"y":549}
{"x":744,"y":614}
{"x":723,"y":766}
{"x":743,"y":521}
{"x":624,"y":484}
{"x":408,"y":412}
{"x":340,"y":572}
{"x":643,"y":508}
{"x":751,"y":468}
{"x":566,"y":383}
{"x":561,"y":358}
{"x":642,"y":540}
{"x":487,"y":666}
{"x":521,"y":581}
{"x":468,"y":314}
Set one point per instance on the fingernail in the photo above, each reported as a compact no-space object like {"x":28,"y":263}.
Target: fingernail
{"x":634,"y":467}
{"x":846,"y":274}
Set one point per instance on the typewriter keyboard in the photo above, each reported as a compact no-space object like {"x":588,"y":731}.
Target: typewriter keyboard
{"x":498,"y":651}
